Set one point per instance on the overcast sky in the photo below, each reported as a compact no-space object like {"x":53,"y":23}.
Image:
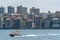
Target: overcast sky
{"x":43,"y":5}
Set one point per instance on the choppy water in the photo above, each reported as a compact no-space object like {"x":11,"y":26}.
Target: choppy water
{"x":32,"y":35}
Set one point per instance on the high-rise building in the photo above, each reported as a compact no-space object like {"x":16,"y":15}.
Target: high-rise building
{"x":10,"y":9}
{"x":34,"y":10}
{"x":21,"y":9}
{"x":2,"y":9}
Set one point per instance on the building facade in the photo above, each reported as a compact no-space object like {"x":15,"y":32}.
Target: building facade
{"x":34,"y":10}
{"x":6,"y":24}
{"x":37,"y":22}
{"x":21,"y":9}
{"x":10,"y":9}
{"x":55,"y":23}
{"x":2,"y":9}
{"x":16,"y":24}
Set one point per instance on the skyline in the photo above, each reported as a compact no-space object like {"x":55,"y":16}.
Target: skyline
{"x":43,"y":5}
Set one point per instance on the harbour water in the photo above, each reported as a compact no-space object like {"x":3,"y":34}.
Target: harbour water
{"x":4,"y":34}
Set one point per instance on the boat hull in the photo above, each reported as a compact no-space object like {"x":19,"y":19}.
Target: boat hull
{"x":13,"y":35}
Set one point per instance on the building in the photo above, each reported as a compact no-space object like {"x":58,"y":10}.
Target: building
{"x":34,"y":10}
{"x":55,"y":23}
{"x":25,"y":16}
{"x":10,"y":9}
{"x":58,"y":14}
{"x":37,"y":22}
{"x":28,"y":24}
{"x":16,"y":24}
{"x":1,"y":20}
{"x":21,"y":9}
{"x":24,"y":10}
{"x":0,"y":24}
{"x":44,"y":15}
{"x":2,"y":9}
{"x":6,"y":24}
{"x":46,"y":23}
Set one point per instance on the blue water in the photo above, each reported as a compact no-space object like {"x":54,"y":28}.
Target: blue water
{"x":4,"y":35}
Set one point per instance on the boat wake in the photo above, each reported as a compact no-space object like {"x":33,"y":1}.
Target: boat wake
{"x":35,"y":35}
{"x":53,"y":34}
{"x":29,"y":35}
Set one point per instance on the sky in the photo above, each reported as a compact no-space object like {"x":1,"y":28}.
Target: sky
{"x":43,"y":5}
